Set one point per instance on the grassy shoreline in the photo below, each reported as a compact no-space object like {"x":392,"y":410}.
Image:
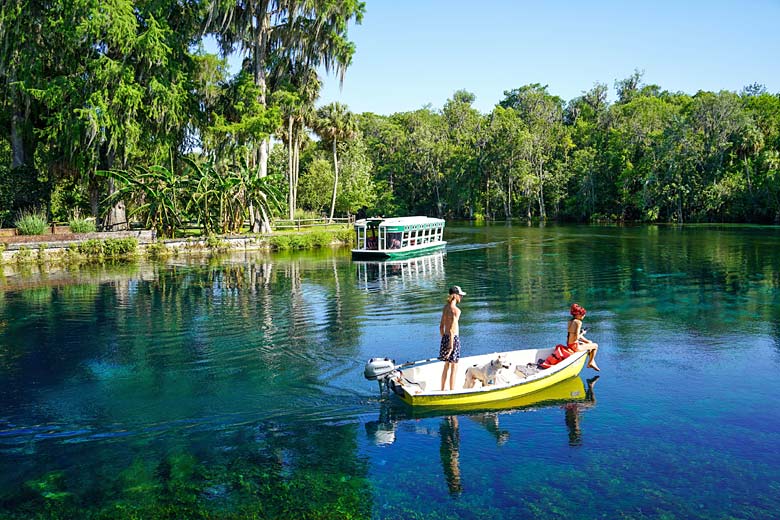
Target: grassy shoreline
{"x":50,"y":254}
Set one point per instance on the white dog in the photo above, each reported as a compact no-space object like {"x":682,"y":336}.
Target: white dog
{"x":486,"y":373}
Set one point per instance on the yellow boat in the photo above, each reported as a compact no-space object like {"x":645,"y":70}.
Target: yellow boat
{"x":393,"y":412}
{"x":419,"y":383}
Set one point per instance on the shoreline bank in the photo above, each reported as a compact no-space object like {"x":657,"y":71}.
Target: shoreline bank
{"x":69,"y":252}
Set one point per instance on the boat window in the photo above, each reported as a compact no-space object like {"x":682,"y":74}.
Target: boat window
{"x":394,"y":240}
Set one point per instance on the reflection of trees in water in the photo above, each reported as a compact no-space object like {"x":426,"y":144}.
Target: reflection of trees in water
{"x":703,"y":280}
{"x":200,"y":343}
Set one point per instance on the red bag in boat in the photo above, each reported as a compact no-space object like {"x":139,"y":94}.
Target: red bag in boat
{"x":559,"y":354}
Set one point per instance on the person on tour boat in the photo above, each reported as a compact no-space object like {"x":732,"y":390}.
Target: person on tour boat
{"x":449,"y":349}
{"x":576,"y":340}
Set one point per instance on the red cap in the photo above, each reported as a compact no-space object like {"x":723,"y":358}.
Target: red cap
{"x":577,"y":310}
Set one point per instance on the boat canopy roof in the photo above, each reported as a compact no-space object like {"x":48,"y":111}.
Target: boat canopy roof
{"x":400,"y":222}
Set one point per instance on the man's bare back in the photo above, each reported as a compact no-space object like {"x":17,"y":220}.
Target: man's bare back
{"x":450,"y":316}
{"x":449,"y":350}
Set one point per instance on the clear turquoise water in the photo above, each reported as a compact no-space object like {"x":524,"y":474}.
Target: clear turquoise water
{"x":233,"y":388}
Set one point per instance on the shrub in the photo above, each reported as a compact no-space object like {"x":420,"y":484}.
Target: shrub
{"x":157,"y":250}
{"x":91,"y":248}
{"x":280,"y":242}
{"x":301,"y":214}
{"x":347,"y":236}
{"x":321,"y":238}
{"x":213,"y":242}
{"x":81,"y":225}
{"x":299,"y":241}
{"x":71,"y":254}
{"x":23,"y":255}
{"x":32,"y":222}
{"x":119,"y":247}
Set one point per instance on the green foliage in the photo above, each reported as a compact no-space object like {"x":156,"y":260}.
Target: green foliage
{"x":124,"y":87}
{"x":78,"y":224}
{"x":308,"y":240}
{"x":20,"y":188}
{"x":69,"y":199}
{"x":214,"y":243}
{"x":157,"y":251}
{"x":119,"y":247}
{"x":23,"y":255}
{"x":112,"y":248}
{"x":157,"y":192}
{"x":32,"y":222}
{"x":280,"y":242}
{"x":316,"y":185}
{"x":346,"y":236}
{"x":335,"y":124}
{"x":321,"y":239}
{"x":356,"y":186}
{"x":92,"y":248}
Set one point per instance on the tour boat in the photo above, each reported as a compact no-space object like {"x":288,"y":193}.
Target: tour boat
{"x":399,"y":237}
{"x":418,"y":383}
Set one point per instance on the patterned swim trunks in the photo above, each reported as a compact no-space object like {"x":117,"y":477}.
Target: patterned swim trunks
{"x":445,"y":346}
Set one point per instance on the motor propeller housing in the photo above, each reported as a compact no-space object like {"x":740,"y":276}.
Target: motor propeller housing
{"x":379,"y":368}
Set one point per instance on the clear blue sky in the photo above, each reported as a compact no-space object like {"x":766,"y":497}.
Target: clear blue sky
{"x":416,"y":52}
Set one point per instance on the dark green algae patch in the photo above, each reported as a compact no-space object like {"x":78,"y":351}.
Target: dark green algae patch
{"x":179,"y":486}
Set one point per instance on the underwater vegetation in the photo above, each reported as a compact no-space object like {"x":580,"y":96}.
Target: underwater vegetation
{"x":179,"y":486}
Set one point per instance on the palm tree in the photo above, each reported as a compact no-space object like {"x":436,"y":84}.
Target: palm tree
{"x":312,"y":33}
{"x":334,"y":124}
{"x":300,"y":89}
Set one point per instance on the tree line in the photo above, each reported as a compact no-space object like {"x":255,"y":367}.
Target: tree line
{"x":649,"y":156}
{"x":116,"y":110}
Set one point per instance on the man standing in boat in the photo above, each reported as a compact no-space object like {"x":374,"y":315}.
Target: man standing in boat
{"x":449,"y":350}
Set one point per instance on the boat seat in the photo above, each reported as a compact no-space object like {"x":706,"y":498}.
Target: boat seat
{"x":408,"y":379}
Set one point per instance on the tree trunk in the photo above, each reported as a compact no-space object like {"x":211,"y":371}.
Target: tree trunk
{"x":18,"y":151}
{"x":290,"y":173}
{"x":335,"y":180}
{"x":542,"y":212}
{"x":19,"y":155}
{"x":296,"y":165}
{"x":116,"y":218}
{"x":487,"y":196}
{"x":260,"y":51}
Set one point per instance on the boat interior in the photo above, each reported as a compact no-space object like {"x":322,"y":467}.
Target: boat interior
{"x":427,"y":377}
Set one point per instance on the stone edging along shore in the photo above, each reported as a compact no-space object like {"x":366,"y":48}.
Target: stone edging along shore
{"x":54,"y":244}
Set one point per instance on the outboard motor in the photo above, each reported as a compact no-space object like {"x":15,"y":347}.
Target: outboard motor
{"x":380,"y":369}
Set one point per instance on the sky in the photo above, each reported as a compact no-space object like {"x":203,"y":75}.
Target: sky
{"x":413,"y":53}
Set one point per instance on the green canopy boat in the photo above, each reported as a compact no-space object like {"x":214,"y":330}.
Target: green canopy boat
{"x":380,"y":238}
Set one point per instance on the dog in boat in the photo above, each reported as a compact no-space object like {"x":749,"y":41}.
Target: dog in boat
{"x":486,"y":373}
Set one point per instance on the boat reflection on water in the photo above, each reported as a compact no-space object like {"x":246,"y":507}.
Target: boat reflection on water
{"x":571,"y":395}
{"x":394,"y":274}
